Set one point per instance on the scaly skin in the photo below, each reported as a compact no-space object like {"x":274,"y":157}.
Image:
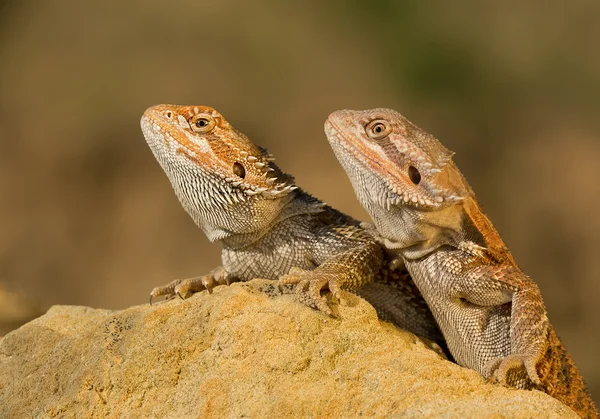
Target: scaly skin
{"x":491,"y":314}
{"x":267,"y":226}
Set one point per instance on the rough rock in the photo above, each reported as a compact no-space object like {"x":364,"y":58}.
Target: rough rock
{"x":240,"y":352}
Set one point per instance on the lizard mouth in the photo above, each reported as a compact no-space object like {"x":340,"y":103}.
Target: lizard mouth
{"x":400,"y":191}
{"x":337,"y":139}
{"x":336,"y":133}
{"x":167,"y":132}
{"x":155,"y":124}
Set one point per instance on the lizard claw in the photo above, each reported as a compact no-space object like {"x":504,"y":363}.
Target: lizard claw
{"x":335,"y":290}
{"x":497,"y":369}
{"x":183,"y":288}
{"x":308,"y":288}
{"x":295,"y":276}
{"x":166,"y":290}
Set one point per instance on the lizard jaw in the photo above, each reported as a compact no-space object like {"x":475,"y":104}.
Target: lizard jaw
{"x":344,"y":129}
{"x":169,"y":135}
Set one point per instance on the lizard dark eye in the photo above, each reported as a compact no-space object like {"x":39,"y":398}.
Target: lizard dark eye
{"x":239,"y":170}
{"x":414,"y":175}
{"x":378,"y":129}
{"x":169,"y":114}
{"x":202,"y":123}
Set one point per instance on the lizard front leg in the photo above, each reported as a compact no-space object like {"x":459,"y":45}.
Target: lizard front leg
{"x":186,"y":287}
{"x":529,"y":334}
{"x":490,"y":286}
{"x":349,"y":269}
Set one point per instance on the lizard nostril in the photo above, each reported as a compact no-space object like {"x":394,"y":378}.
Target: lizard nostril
{"x":414,"y":175}
{"x":239,"y":170}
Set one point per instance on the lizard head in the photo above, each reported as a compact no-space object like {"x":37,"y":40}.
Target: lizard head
{"x":395,"y":166}
{"x":225,"y":182}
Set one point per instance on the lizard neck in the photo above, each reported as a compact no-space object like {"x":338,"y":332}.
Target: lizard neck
{"x":208,"y":201}
{"x":416,"y":234}
{"x":299,"y":203}
{"x":480,"y":230}
{"x":454,"y":227}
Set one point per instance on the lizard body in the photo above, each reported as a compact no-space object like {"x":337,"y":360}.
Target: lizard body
{"x":268,"y":227}
{"x":491,"y":314}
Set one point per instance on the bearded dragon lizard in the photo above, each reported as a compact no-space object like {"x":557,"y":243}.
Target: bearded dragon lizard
{"x":268,"y":227}
{"x":491,"y":314}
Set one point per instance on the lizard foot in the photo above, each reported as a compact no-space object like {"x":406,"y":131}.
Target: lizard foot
{"x":497,"y":369}
{"x":183,"y":288}
{"x":309,"y":285}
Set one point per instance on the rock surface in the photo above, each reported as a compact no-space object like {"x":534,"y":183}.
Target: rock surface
{"x":240,"y":352}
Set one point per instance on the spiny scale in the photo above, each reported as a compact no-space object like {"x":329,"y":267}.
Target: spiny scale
{"x":224,"y":146}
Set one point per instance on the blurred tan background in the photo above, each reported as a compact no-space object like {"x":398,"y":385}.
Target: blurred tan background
{"x":88,"y":217}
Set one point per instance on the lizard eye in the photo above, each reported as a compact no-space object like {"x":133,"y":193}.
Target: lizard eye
{"x":202,"y":123}
{"x":378,"y":129}
{"x":239,"y":170}
{"x":169,"y":114}
{"x":414,"y":175}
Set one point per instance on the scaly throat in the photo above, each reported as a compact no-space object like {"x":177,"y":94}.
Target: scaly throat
{"x":424,"y":232}
{"x":296,"y":203}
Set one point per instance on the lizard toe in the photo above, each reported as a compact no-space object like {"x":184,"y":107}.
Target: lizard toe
{"x":499,"y":368}
{"x":335,"y":290}
{"x":168,"y":291}
{"x":288,"y":280}
{"x":293,"y":277}
{"x":308,"y":288}
{"x":315,"y":301}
